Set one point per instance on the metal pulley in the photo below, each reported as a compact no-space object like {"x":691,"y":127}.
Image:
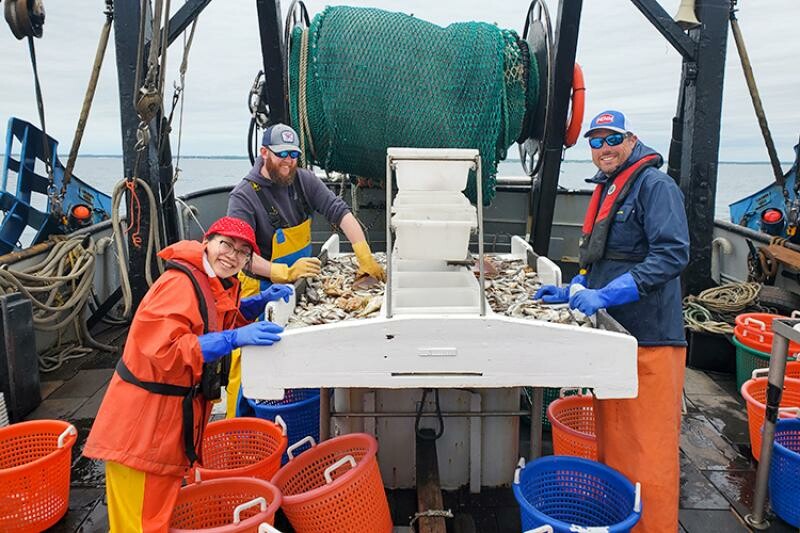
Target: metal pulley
{"x":148,"y":104}
{"x":25,"y":17}
{"x":538,"y":34}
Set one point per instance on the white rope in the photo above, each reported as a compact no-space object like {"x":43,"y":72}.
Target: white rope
{"x":433,"y":513}
{"x":724,"y":301}
{"x":58,"y":288}
{"x":192,"y":214}
{"x":153,"y":240}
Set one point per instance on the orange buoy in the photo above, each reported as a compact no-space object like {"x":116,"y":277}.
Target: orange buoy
{"x":577,"y":109}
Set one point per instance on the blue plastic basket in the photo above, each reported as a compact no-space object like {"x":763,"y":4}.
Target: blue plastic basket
{"x":299,"y":408}
{"x":564,"y":492}
{"x":784,"y":472}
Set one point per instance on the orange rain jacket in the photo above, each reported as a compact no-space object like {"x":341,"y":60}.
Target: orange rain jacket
{"x":140,"y":429}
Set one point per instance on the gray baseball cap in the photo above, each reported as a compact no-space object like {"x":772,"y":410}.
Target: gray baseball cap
{"x":280,"y":137}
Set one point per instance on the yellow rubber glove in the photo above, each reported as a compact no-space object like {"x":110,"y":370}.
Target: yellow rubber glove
{"x":367,"y":263}
{"x":302,"y":268}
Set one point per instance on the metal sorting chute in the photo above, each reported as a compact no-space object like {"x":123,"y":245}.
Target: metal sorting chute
{"x":435,"y":329}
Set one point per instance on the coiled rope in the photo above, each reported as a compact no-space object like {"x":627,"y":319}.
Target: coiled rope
{"x":153,"y":236}
{"x":58,"y":288}
{"x":714,"y":310}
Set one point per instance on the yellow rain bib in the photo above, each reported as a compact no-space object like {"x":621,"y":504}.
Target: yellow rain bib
{"x":288,"y":245}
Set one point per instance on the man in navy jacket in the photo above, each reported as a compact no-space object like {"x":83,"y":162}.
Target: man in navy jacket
{"x":635,"y":245}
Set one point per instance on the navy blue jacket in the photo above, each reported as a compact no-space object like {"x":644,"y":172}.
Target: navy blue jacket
{"x":650,"y":223}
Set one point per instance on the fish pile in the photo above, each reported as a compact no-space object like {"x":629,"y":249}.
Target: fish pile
{"x":336,"y":295}
{"x":510,"y":286}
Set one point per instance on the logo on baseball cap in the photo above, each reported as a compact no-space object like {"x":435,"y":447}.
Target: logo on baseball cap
{"x":609,"y":120}
{"x":280,"y":137}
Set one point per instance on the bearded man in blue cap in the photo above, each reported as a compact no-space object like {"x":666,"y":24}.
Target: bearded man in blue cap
{"x":635,"y":245}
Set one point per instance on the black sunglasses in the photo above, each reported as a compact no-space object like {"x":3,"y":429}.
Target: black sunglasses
{"x":283,"y":154}
{"x":613,"y":139}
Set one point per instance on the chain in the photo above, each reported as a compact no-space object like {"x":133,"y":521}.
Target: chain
{"x":55,"y":201}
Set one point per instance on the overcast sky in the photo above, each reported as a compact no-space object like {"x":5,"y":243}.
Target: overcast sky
{"x":627,"y":65}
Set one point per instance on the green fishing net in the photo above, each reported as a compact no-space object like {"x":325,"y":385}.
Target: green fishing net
{"x":363,"y":79}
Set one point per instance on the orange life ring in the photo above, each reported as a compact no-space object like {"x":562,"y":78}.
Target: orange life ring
{"x":578,"y":106}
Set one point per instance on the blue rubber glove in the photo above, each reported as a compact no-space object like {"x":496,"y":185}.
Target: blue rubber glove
{"x":220,"y":343}
{"x":550,"y":294}
{"x":619,"y":291}
{"x":252,"y":306}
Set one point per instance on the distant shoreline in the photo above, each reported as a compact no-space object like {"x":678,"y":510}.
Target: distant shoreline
{"x":243,"y":157}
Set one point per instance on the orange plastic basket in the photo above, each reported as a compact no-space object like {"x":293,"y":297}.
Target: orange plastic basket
{"x":242,"y":447}
{"x":335,"y":486}
{"x":572,"y":420}
{"x":792,"y":371}
{"x":35,"y":460}
{"x":754,"y":392}
{"x":234,"y":504}
{"x":760,"y":340}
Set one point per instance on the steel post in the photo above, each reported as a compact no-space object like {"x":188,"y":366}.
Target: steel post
{"x":783,"y":332}
{"x":701,"y":87}
{"x":126,"y":41}
{"x":273,"y":52}
{"x":543,"y":190}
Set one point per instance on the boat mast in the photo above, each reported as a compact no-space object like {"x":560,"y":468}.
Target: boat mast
{"x":694,"y":149}
{"x":698,"y":119}
{"x":155,"y":164}
{"x":273,"y":52}
{"x":545,"y":186}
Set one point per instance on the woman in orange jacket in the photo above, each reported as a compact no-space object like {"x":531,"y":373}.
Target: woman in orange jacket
{"x":150,"y":424}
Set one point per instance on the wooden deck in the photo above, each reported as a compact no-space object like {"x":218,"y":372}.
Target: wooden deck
{"x":717,"y":477}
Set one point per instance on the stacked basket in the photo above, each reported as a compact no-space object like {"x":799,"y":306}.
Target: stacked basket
{"x":754,"y":392}
{"x":231,"y":490}
{"x":752,"y":336}
{"x":784,"y":475}
{"x":242,"y":447}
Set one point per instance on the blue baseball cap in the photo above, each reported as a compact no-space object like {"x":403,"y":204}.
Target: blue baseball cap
{"x":280,"y":137}
{"x":609,"y":120}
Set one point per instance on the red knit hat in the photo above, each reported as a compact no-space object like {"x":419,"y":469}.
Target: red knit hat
{"x":234,"y":227}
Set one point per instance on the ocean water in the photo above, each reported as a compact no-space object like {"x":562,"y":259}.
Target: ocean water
{"x":735,"y":180}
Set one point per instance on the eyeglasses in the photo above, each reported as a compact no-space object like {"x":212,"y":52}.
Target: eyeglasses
{"x":612,"y":140}
{"x":283,"y":154}
{"x":228,"y":248}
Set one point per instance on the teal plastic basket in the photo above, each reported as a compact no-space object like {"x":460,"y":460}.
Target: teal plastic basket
{"x":747,"y":360}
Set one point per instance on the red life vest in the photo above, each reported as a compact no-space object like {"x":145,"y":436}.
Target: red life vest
{"x":597,"y":221}
{"x":208,"y":311}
